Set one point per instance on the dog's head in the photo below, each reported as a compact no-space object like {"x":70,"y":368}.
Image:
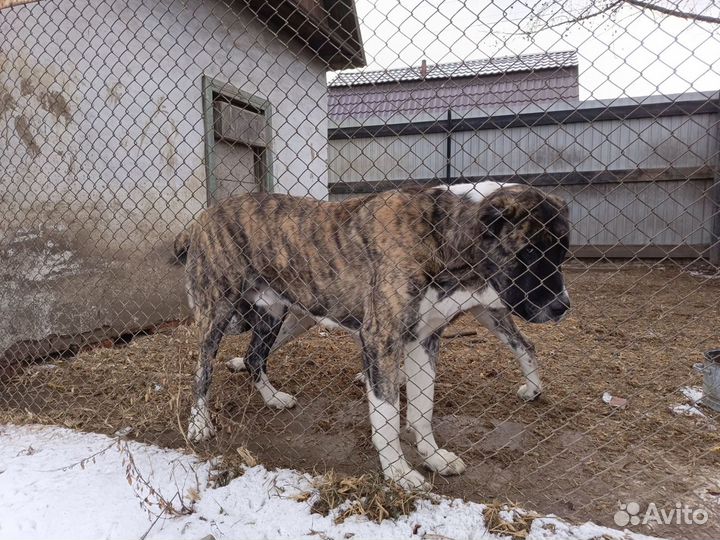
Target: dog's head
{"x":530,"y":230}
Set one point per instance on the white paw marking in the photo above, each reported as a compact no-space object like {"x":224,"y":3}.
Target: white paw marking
{"x":200,"y":429}
{"x":529,"y":392}
{"x":445,"y":463}
{"x":281,"y":400}
{"x":407,"y":478}
{"x":236,"y":364}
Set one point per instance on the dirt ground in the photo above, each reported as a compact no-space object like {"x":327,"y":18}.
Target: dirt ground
{"x":635,"y":331}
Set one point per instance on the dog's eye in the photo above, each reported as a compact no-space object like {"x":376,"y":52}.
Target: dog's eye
{"x":530,"y":251}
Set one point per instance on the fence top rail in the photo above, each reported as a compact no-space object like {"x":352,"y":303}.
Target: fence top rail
{"x":572,"y":177}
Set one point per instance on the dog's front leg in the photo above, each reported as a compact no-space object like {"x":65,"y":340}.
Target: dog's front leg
{"x":389,"y":311}
{"x":382,"y":350}
{"x":500,"y":323}
{"x":385,"y":422}
{"x":420,"y":362}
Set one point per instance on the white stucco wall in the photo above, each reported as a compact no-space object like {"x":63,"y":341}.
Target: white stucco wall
{"x":102,"y":143}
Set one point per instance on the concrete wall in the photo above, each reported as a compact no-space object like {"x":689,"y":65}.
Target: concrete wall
{"x":102,"y":150}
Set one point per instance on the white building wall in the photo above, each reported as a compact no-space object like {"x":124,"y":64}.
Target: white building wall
{"x":102,"y":147}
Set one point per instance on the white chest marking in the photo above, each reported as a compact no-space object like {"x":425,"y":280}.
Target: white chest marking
{"x":436,"y":312}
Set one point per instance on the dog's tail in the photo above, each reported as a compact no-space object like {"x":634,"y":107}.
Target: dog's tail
{"x":181,"y":246}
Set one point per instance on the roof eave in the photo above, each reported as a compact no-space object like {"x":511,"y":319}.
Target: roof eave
{"x":448,"y":78}
{"x":359,"y":59}
{"x":570,"y":63}
{"x":339,"y":47}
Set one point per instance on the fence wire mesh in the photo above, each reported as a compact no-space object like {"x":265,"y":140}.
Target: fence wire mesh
{"x":490,"y":167}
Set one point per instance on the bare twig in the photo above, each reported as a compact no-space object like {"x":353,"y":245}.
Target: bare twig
{"x":157,"y":518}
{"x":147,"y":494}
{"x":462,"y":333}
{"x":571,"y":19}
{"x":85,"y":460}
{"x":673,"y":12}
{"x":589,"y":13}
{"x":181,"y":430}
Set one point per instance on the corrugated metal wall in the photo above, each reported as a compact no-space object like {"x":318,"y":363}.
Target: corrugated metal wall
{"x":638,"y":177}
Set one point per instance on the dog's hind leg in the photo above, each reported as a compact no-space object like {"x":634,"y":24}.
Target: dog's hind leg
{"x":266,"y":326}
{"x":420,"y":362}
{"x":212,"y":324}
{"x":293,"y":325}
{"x":500,"y":323}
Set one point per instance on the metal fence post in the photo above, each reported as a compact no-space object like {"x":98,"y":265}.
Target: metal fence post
{"x":714,"y":255}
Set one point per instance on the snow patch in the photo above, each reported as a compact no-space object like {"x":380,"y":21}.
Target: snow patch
{"x":693,"y":393}
{"x":48,"y":487}
{"x":686,"y":410}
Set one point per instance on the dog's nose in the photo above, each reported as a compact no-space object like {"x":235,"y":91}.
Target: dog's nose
{"x":559,"y":307}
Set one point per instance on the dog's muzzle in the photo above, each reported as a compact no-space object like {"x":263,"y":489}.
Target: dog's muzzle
{"x":558,"y":308}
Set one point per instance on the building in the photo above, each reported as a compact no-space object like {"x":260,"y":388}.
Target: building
{"x":491,"y":86}
{"x":121,"y":120}
{"x":638,"y":173}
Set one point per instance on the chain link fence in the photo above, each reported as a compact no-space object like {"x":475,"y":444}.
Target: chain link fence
{"x":491,"y":168}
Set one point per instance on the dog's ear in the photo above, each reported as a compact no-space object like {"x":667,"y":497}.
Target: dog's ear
{"x":501,"y":213}
{"x":562,"y":206}
{"x":494,"y":220}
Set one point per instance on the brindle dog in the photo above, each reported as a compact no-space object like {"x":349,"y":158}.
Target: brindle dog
{"x":395,"y":268}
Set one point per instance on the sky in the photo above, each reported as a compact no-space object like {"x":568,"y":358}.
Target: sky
{"x":631,"y":53}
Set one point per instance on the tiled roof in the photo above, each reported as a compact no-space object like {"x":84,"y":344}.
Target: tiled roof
{"x":472,"y":68}
{"x":513,"y":91}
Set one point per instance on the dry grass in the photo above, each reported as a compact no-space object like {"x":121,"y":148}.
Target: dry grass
{"x":368,"y":495}
{"x":518,"y":527}
{"x":229,"y":466}
{"x":635,"y":333}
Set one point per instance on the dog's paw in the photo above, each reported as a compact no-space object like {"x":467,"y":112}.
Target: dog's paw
{"x":236,"y":364}
{"x":281,"y":400}
{"x":407,"y":478}
{"x":200,"y":430}
{"x":529,"y":392}
{"x":200,"y":427}
{"x":445,"y":463}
